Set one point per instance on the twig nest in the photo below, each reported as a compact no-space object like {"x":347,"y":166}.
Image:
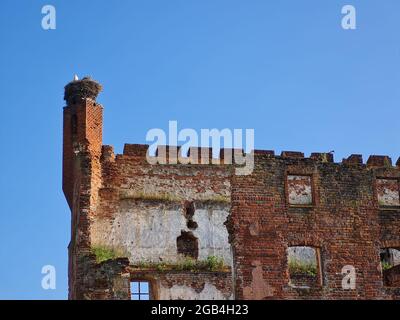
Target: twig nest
{"x":78,"y":90}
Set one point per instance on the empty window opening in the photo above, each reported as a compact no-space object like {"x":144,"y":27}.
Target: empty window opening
{"x":304,"y":266}
{"x":140,"y":290}
{"x":390,"y":262}
{"x":299,"y":190}
{"x":388,"y":191}
{"x":187,"y":245}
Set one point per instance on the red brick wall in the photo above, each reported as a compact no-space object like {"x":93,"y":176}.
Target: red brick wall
{"x":81,"y":180}
{"x":345,"y":223}
{"x":162,"y":282}
{"x":88,"y":137}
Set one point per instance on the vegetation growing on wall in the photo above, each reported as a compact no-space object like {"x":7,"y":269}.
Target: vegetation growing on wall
{"x":302,"y":268}
{"x":386,"y":265}
{"x":212,"y":263}
{"x":104,"y":253}
{"x":167,"y":197}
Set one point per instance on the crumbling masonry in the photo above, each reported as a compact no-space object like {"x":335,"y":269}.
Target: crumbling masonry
{"x":198,"y":231}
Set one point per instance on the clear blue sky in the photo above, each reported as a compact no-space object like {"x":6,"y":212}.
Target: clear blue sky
{"x":285,"y":68}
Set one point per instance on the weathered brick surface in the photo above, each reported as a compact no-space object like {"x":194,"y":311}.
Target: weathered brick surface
{"x":108,"y":280}
{"x":347,"y":211}
{"x":345,"y":223}
{"x":392,"y":277}
{"x":81,"y":177}
{"x":201,"y":283}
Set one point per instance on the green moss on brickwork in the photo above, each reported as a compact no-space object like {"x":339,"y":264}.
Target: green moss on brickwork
{"x":167,"y":197}
{"x":149,"y":196}
{"x":104,"y":253}
{"x":386,"y":265}
{"x":219,"y":198}
{"x":212,"y":263}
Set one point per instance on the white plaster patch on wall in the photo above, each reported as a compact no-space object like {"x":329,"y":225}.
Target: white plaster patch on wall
{"x":212,"y":234}
{"x":388,"y":192}
{"x":150,"y":233}
{"x":396,"y":256}
{"x":209,"y":292}
{"x":146,"y":234}
{"x":299,"y":190}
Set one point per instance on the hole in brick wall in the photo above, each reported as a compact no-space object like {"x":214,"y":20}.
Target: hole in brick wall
{"x":192,"y":224}
{"x":390,"y":263}
{"x":188,"y":245}
{"x":189,"y":213}
{"x":303,"y":263}
{"x":189,"y":209}
{"x":299,"y":190}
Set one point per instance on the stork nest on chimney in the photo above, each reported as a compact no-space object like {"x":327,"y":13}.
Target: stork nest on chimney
{"x":81,"y":89}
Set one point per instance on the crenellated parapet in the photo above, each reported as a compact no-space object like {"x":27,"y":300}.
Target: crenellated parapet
{"x":205,"y":155}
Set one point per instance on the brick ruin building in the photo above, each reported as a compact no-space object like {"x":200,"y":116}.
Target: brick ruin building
{"x":296,"y":228}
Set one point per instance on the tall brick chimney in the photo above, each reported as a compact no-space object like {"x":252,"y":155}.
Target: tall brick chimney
{"x":83,"y":124}
{"x":82,"y":142}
